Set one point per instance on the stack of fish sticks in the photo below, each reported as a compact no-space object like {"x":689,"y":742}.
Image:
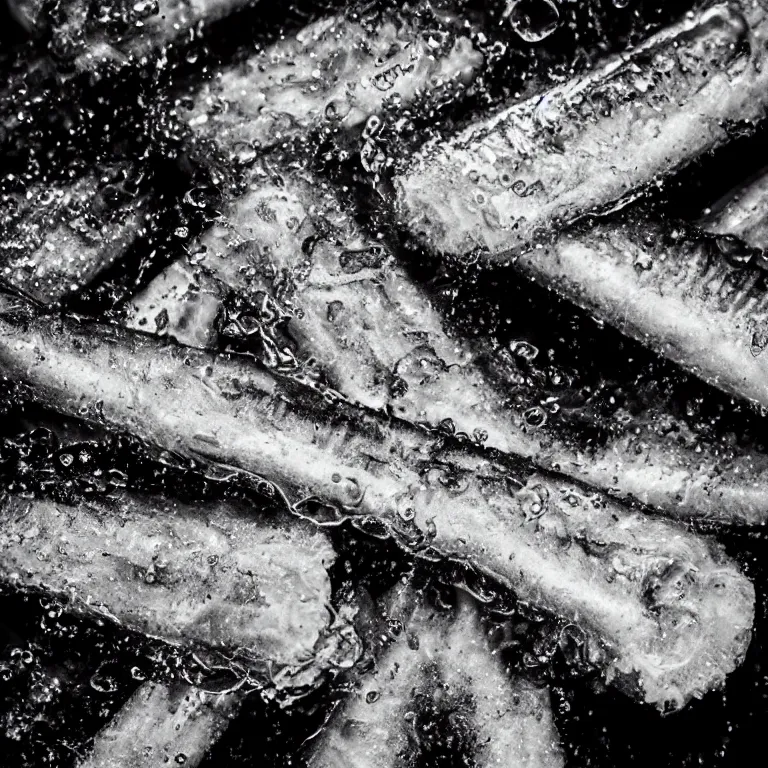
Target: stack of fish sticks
{"x":291,"y":387}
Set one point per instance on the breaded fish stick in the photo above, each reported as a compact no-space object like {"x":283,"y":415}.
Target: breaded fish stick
{"x":511,"y":717}
{"x":377,"y":726}
{"x":370,"y":729}
{"x":207,"y":577}
{"x":334,"y":72}
{"x":162,"y":724}
{"x":309,"y":285}
{"x":698,"y":300}
{"x":668,"y":614}
{"x":55,"y":238}
{"x":744,"y":214}
{"x":689,"y":297}
{"x":515,"y":179}
{"x":128,"y":34}
{"x":286,"y":270}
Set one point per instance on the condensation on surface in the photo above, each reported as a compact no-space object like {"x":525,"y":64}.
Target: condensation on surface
{"x":219,"y":173}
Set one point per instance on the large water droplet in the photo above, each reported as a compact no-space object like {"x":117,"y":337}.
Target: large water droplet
{"x":524,"y":350}
{"x":533,"y":20}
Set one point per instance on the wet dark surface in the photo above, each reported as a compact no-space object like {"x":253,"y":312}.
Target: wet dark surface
{"x":62,"y":678}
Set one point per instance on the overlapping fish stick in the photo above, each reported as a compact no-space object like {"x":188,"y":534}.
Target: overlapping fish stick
{"x":162,"y":724}
{"x":313,"y":292}
{"x":514,"y":179}
{"x":333,"y":72}
{"x":666,"y":612}
{"x":55,"y":238}
{"x":372,"y":728}
{"x":744,"y":214}
{"x":296,"y":262}
{"x":697,"y":300}
{"x":85,"y":39}
{"x":208,"y":577}
{"x":97,"y":42}
{"x":429,"y":652}
{"x":512,"y":718}
{"x":693,"y":299}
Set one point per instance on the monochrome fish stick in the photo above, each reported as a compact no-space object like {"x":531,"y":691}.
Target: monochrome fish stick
{"x":294,"y":259}
{"x":315,"y":294}
{"x":163,"y":724}
{"x":122,"y":35}
{"x":511,"y":717}
{"x":61,"y":237}
{"x":512,"y":180}
{"x":744,"y":214}
{"x":87,"y":40}
{"x":668,"y":613}
{"x":371,"y":727}
{"x":173,"y":20}
{"x":58,"y":237}
{"x":208,"y":577}
{"x":332,"y":72}
{"x":183,"y":302}
{"x":698,"y":300}
{"x":433,"y":652}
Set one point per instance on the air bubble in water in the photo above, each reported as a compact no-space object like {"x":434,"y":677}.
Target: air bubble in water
{"x":524,"y":350}
{"x":533,"y":20}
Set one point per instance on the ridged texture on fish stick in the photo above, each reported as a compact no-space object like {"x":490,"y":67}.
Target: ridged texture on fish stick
{"x":668,"y":613}
{"x":511,"y":717}
{"x":211,"y":577}
{"x":514,"y":179}
{"x":162,"y":725}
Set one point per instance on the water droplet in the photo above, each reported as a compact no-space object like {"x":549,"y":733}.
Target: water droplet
{"x":535,"y":417}
{"x":736,"y":252}
{"x":643,"y":262}
{"x":447,"y":426}
{"x":181,"y":758}
{"x":395,"y":626}
{"x":533,"y":501}
{"x":102,"y":682}
{"x":372,"y":127}
{"x":759,"y":342}
{"x":524,"y":350}
{"x":533,"y":20}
